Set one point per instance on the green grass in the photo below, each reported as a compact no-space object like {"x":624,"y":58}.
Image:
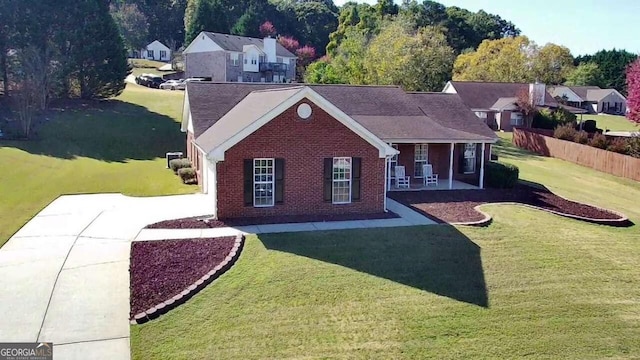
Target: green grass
{"x":530,"y":285}
{"x":117,"y":146}
{"x":612,"y":122}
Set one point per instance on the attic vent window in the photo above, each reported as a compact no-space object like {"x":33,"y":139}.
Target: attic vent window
{"x":304,"y":111}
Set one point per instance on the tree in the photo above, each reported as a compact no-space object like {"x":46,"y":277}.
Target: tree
{"x":417,"y":62}
{"x":349,"y":60}
{"x":165,"y":19}
{"x":633,"y":86}
{"x":316,"y":21}
{"x":525,"y":100}
{"x":306,"y":55}
{"x":506,"y":60}
{"x":385,"y":8}
{"x":289,"y":43}
{"x":207,"y":15}
{"x":132,"y":24}
{"x":612,"y":64}
{"x":585,"y":74}
{"x":267,"y":29}
{"x":552,"y":64}
{"x":322,"y":72}
{"x":248,"y":24}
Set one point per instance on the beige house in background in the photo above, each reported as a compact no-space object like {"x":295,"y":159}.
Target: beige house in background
{"x":591,"y":98}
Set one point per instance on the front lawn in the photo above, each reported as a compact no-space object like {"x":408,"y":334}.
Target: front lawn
{"x":612,"y":122}
{"x":117,"y":146}
{"x":532,"y":284}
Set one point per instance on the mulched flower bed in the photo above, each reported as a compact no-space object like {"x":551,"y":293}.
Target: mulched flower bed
{"x":458,"y":206}
{"x":160,"y":270}
{"x":205,"y":222}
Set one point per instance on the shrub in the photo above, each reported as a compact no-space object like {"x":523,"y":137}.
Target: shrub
{"x":618,"y":145}
{"x":565,"y":132}
{"x":188,"y":175}
{"x":581,"y":137}
{"x":599,"y":141}
{"x":501,"y":175}
{"x":544,"y":120}
{"x":590,"y":126}
{"x":633,"y":146}
{"x":177,"y":164}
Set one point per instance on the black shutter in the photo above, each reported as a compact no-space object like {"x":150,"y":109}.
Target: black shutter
{"x":279,"y":180}
{"x":248,"y":182}
{"x":355,"y":178}
{"x":460,"y":149}
{"x":328,"y":179}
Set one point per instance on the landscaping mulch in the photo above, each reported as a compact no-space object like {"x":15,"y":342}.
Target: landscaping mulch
{"x":458,"y":206}
{"x":205,"y":222}
{"x":160,"y":270}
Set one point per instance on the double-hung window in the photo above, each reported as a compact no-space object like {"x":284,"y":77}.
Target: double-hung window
{"x":516,"y":119}
{"x":469,"y":166}
{"x":150,"y":54}
{"x":235,"y":59}
{"x":421,"y":157}
{"x":163,"y":54}
{"x":263,"y":182}
{"x":341,"y":186}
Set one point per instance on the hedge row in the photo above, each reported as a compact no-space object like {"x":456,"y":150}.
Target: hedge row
{"x":183,"y":168}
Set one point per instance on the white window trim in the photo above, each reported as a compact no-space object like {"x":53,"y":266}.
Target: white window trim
{"x":518,"y":120}
{"x":475,"y":150}
{"x":417,"y":164}
{"x":348,"y":181}
{"x":272,"y":182}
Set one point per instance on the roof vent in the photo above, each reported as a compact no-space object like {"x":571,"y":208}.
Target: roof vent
{"x":304,"y":111}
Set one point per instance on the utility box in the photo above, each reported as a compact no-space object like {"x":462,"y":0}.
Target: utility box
{"x":173,"y":155}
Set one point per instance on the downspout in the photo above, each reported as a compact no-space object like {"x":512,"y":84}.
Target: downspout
{"x":215,"y":189}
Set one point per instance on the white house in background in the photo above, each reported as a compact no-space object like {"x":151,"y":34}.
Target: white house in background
{"x":591,"y":98}
{"x":154,"y":51}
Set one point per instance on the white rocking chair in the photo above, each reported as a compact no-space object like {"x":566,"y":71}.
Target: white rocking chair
{"x":429,"y":177}
{"x":402,"y":181}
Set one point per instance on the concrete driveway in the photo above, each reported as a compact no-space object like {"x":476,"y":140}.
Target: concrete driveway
{"x":65,"y":274}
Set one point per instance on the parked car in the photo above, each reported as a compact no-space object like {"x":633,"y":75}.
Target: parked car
{"x":149,"y":80}
{"x":174,"y":85}
{"x":194,"y":79}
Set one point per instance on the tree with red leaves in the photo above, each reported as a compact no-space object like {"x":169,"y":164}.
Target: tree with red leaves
{"x":633,"y":89}
{"x":526,"y":105}
{"x":306,"y":55}
{"x":289,"y":43}
{"x":267,"y":29}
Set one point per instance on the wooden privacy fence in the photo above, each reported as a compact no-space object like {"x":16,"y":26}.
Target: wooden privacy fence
{"x":598,"y":159}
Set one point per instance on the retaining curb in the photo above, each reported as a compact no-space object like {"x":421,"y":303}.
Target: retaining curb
{"x":187,"y":293}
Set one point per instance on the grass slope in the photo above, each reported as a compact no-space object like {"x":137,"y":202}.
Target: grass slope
{"x":612,"y":122}
{"x":531,"y":284}
{"x":116,"y":146}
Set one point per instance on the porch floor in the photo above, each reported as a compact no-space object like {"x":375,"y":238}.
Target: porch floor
{"x":443,"y":184}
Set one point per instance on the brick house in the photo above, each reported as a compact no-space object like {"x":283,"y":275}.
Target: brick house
{"x":232,"y":58}
{"x":263,"y":150}
{"x":495,"y":103}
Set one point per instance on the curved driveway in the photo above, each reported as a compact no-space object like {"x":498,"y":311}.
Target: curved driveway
{"x":65,"y":274}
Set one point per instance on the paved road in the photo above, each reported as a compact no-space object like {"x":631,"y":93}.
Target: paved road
{"x":65,"y":274}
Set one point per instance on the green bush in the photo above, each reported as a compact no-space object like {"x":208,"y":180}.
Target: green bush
{"x":547,"y":119}
{"x":618,"y":145}
{"x":581,"y":137}
{"x":565,"y":132}
{"x":599,"y":141}
{"x":177,"y":164}
{"x":500,"y":175}
{"x":633,"y":146}
{"x":188,"y":175}
{"x":590,"y":126}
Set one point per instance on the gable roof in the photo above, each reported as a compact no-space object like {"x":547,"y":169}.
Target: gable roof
{"x":387,"y":112}
{"x":483,"y":95}
{"x":505,"y":103}
{"x":237,"y":43}
{"x":596,"y":95}
{"x":159,"y":43}
{"x":260,"y":107}
{"x":582,"y":91}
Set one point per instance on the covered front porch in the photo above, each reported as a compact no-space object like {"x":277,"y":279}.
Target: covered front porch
{"x":454,"y":166}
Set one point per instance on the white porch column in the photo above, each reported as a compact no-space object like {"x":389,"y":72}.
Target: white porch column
{"x":388,"y":172}
{"x":451,"y":167}
{"x":482,"y":167}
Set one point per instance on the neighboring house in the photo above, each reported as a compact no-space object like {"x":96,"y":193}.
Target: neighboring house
{"x":591,"y":98}
{"x":154,"y":51}
{"x":269,"y":149}
{"x":231,"y":58}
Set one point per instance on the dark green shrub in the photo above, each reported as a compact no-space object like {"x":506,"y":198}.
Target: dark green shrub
{"x":500,"y":175}
{"x":565,"y":132}
{"x":543,"y":119}
{"x":618,"y":145}
{"x":581,"y":137}
{"x":563,"y":116}
{"x":188,"y":175}
{"x":599,"y":141}
{"x":589,"y":126}
{"x":633,"y":146}
{"x":177,"y":164}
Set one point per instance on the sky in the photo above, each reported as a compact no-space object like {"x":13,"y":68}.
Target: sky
{"x":584,"y":26}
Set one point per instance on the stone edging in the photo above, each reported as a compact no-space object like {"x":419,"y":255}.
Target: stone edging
{"x":622,"y":222}
{"x":194,"y":288}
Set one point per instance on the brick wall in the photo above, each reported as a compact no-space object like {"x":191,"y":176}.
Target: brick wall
{"x":303,"y":145}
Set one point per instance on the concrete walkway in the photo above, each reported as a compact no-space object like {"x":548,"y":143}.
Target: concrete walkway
{"x":65,"y":274}
{"x":407,"y":217}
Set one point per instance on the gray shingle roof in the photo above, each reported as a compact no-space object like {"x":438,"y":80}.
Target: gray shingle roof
{"x":582,"y":90}
{"x":386,"y":111}
{"x":235,"y":43}
{"x":482,"y":95}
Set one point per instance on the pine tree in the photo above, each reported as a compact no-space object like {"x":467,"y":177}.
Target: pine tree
{"x":207,"y":15}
